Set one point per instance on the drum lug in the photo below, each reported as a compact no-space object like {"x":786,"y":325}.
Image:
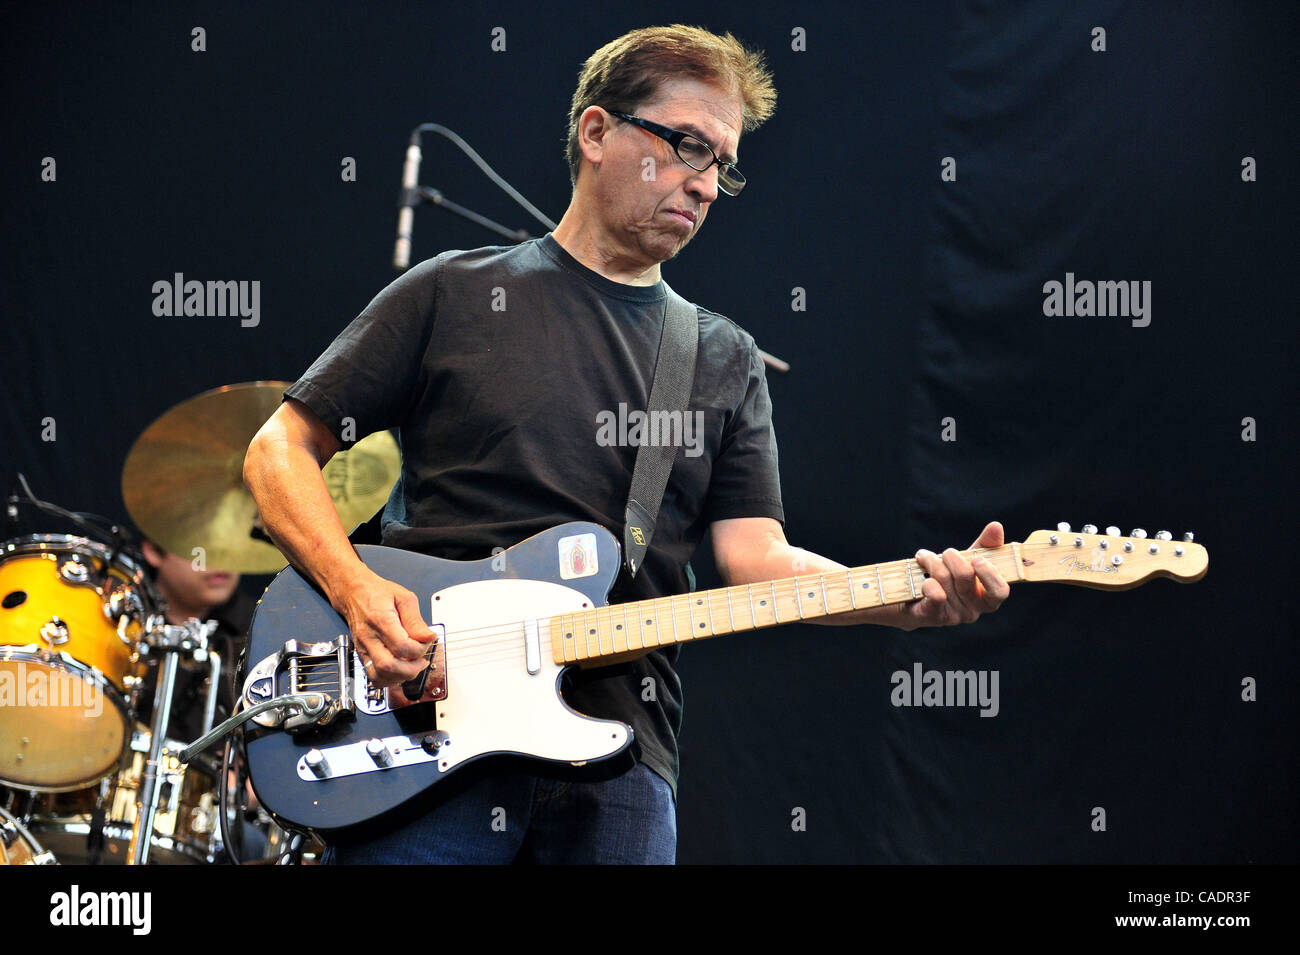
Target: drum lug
{"x":74,"y":570}
{"x":55,"y":632}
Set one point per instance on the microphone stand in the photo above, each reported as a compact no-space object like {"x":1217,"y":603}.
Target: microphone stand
{"x":427,"y":194}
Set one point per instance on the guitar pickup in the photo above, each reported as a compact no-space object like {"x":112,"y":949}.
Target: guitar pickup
{"x":324,"y":667}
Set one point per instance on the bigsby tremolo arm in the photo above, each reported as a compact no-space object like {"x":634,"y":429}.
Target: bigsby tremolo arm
{"x":309,"y":705}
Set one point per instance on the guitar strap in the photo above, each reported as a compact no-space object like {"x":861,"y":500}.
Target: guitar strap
{"x":670,"y":391}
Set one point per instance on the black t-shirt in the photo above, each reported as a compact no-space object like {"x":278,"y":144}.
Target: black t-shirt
{"x":509,"y":374}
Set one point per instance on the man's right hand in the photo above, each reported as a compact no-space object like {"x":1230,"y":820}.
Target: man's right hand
{"x":283,"y":472}
{"x":387,"y":627}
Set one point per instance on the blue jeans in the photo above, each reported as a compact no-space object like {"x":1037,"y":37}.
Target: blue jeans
{"x":628,"y":820}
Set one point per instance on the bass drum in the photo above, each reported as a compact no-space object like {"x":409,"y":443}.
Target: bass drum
{"x":72,"y":614}
{"x":186,"y":826}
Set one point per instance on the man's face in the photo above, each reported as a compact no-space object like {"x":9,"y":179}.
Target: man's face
{"x":650,"y":201}
{"x":186,"y":587}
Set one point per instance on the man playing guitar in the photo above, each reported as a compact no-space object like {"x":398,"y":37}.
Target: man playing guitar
{"x":494,"y":365}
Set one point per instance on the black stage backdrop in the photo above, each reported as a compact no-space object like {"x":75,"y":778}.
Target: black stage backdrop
{"x":929,"y":168}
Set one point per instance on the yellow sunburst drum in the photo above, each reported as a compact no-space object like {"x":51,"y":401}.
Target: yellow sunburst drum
{"x":72,"y":615}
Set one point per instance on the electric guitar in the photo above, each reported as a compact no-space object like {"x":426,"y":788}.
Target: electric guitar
{"x":326,"y":750}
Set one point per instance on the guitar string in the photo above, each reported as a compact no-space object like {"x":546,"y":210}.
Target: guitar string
{"x":498,"y":642}
{"x":485,"y":645}
{"x":480,"y":645}
{"x":507,"y":635}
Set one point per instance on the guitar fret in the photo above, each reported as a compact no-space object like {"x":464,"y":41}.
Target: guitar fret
{"x":731,"y":616}
{"x":853,"y":597}
{"x":672,"y":605}
{"x":880,"y":586}
{"x":708,"y":603}
{"x":651,"y":624}
{"x":826,"y":604}
{"x":798,"y":600}
{"x":690,"y":613}
{"x":776,"y":614}
{"x":749,"y":590}
{"x":609,"y":622}
{"x":911,"y":584}
{"x":625,"y":631}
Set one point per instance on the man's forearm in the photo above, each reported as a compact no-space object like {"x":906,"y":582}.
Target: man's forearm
{"x":286,"y":481}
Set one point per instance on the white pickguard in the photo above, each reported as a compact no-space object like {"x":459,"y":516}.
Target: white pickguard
{"x":493,"y":703}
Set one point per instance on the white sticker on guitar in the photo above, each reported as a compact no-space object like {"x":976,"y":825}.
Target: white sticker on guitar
{"x":578,"y":556}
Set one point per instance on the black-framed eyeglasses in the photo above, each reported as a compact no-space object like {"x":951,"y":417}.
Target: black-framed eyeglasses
{"x":693,"y":151}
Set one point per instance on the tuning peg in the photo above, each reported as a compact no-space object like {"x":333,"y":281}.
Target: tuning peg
{"x":1189,"y":537}
{"x":1063,"y":527}
{"x":1113,"y":531}
{"x":1090,"y":528}
{"x":1137,"y":532}
{"x":1164,"y":536}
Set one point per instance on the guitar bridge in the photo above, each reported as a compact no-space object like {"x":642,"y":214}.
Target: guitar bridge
{"x":328,"y":668}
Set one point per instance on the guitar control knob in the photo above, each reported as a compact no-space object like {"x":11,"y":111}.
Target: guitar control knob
{"x":1090,"y":528}
{"x":1137,"y":532}
{"x":1063,"y":527}
{"x":1189,"y":537}
{"x":1164,"y":536}
{"x":377,"y":751}
{"x":1113,"y":531}
{"x":316,"y":763}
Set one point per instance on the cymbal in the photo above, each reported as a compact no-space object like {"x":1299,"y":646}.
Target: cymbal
{"x":183,"y":478}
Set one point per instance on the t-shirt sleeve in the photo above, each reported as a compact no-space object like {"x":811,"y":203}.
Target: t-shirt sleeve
{"x":368,"y":378}
{"x":746,"y":479}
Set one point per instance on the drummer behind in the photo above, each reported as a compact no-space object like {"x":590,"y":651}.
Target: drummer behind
{"x":204,"y":595}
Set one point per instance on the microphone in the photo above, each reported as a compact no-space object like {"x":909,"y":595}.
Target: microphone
{"x":407,"y":202}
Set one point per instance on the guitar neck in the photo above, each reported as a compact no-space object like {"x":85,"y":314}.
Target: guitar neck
{"x":620,"y":629}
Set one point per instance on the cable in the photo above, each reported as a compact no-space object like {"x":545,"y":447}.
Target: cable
{"x":468,"y":150}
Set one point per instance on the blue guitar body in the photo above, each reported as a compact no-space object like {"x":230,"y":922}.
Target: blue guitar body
{"x":364,"y":758}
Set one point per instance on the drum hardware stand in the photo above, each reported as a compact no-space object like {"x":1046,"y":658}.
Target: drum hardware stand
{"x":309,"y":705}
{"x":190,"y":637}
{"x":11,"y":830}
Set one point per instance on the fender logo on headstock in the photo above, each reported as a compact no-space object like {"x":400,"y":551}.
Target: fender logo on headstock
{"x":1098,"y":566}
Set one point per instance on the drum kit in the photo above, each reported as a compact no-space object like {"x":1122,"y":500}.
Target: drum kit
{"x":83,"y":630}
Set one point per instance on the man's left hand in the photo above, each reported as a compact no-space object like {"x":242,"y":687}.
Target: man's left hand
{"x":958,"y":590}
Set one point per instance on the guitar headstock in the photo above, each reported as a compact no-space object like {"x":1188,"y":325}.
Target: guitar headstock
{"x":1109,"y":560}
